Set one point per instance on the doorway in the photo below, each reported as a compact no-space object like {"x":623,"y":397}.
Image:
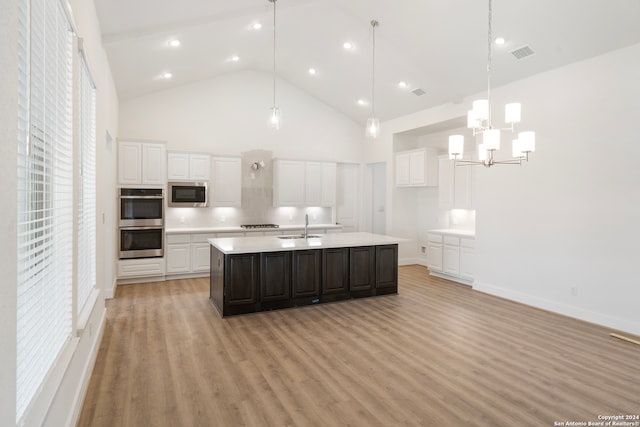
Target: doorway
{"x":377,"y":197}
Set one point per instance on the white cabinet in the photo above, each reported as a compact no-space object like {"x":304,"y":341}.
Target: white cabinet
{"x":416,"y":168}
{"x":450,"y":257}
{"x":142,"y":267}
{"x":455,"y":185}
{"x":188,"y":254}
{"x":227,"y":182}
{"x":182,"y":166}
{"x":434,"y":252}
{"x":141,"y":163}
{"x":467,"y":253}
{"x":298,"y":183}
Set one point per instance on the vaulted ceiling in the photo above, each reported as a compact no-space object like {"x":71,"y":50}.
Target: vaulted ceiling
{"x":437,"y":46}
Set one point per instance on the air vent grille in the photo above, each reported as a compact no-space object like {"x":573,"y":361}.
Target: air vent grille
{"x":418,"y":92}
{"x":523,"y":52}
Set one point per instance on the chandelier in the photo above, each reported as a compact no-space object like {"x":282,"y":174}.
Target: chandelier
{"x":479,"y":119}
{"x":373,"y":124}
{"x":275,"y":116}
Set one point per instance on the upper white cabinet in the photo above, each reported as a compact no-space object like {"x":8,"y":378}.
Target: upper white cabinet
{"x":455,"y":185}
{"x":141,"y":163}
{"x":298,"y":183}
{"x":183,"y":166}
{"x":416,"y":168}
{"x":226,"y":187}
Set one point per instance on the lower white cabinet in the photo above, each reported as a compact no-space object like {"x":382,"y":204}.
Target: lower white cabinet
{"x":451,"y":257}
{"x":141,"y":267}
{"x":188,"y":253}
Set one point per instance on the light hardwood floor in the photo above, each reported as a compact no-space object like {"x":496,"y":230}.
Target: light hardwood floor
{"x":436,"y":354}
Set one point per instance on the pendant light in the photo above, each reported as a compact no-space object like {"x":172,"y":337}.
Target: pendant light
{"x":479,"y":119}
{"x":373,"y":124}
{"x":275,"y":114}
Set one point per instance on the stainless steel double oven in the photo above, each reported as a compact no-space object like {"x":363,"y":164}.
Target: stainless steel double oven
{"x":141,"y":223}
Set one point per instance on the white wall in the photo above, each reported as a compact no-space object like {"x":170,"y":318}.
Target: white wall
{"x":570,"y":217}
{"x":228,"y":115}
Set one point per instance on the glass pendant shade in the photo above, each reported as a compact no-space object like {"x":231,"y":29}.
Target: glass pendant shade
{"x":516,"y":148}
{"x":275,"y":118}
{"x":512,"y":113}
{"x":482,"y":153}
{"x":472,"y":121}
{"x":373,"y":128}
{"x":481,"y":109}
{"x":456,"y":146}
{"x":491,"y":139}
{"x":527,"y":141}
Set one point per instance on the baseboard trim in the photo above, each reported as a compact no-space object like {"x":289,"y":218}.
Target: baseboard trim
{"x":559,"y":308}
{"x":111,"y":293}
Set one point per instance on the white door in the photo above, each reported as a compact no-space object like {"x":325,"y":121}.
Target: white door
{"x":378,"y":198}
{"x":347,"y":196}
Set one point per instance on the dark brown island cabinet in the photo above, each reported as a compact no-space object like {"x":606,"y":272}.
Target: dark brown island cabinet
{"x":252,"y":282}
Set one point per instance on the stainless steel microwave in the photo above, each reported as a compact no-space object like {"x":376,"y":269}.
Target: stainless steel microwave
{"x":188,"y":194}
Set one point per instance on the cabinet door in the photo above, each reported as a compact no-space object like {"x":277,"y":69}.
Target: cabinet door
{"x":199,"y":165}
{"x":335,"y":270}
{"x":177,"y":166}
{"x":275,"y":276}
{"x":129,"y":163}
{"x":451,"y":260}
{"x":434,"y":257}
{"x":313,"y":184}
{"x":200,"y":257}
{"x":403,"y":168}
{"x":328,"y":196}
{"x":153,"y":164}
{"x":387,"y":266}
{"x":467,"y":253}
{"x":417,"y":170}
{"x":362,"y":268}
{"x":178,"y":258}
{"x":289,"y":186}
{"x":242,"y":273}
{"x":227,"y":182}
{"x":306,"y":273}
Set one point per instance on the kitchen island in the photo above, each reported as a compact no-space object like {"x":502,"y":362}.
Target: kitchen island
{"x":251,"y":274}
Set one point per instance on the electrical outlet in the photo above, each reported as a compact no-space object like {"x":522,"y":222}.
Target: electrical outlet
{"x":423,"y":249}
{"x":181,"y":220}
{"x":223,"y":218}
{"x":574,"y":291}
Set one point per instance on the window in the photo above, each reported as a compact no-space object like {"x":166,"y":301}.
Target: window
{"x":86,"y":277}
{"x":45,"y":194}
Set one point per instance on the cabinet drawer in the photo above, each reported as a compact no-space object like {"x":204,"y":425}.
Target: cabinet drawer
{"x":468,"y":243}
{"x":202,"y":238}
{"x":435,"y":238}
{"x":178,"y":238}
{"x":141,"y":267}
{"x":453,"y":241}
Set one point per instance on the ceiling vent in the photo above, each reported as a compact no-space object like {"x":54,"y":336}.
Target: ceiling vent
{"x":418,"y":92}
{"x":523,"y":52}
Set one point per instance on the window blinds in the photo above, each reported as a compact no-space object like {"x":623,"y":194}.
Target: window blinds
{"x":86,"y":278}
{"x":45,"y":202}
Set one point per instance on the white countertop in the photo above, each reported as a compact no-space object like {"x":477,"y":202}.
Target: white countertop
{"x":243,"y":245}
{"x":238,"y":229}
{"x":454,"y":232}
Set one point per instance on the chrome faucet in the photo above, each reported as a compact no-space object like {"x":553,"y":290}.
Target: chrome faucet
{"x":306,"y":225}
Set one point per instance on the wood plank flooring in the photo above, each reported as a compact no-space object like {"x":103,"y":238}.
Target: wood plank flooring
{"x":436,"y":354}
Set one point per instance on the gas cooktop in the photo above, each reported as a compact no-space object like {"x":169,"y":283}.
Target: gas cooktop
{"x":259,"y":226}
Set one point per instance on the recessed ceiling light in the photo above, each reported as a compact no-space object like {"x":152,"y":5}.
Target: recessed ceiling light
{"x":256,"y":26}
{"x":174,"y":43}
{"x":403,"y":84}
{"x":313,"y":71}
{"x":362,"y":102}
{"x":500,"y":40}
{"x":235,"y":58}
{"x":347,"y":45}
{"x":167,"y":75}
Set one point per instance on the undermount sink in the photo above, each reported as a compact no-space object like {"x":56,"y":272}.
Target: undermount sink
{"x":300,"y":236}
